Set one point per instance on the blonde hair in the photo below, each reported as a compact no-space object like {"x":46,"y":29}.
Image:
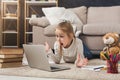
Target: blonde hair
{"x":67,"y":28}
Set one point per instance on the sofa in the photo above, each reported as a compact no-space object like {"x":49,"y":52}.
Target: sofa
{"x":97,"y":21}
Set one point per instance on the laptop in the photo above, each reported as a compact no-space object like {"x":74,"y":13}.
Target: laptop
{"x":37,"y":58}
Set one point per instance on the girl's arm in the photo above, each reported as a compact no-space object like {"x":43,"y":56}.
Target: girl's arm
{"x":56,"y":57}
{"x":80,"y":60}
{"x":80,"y":48}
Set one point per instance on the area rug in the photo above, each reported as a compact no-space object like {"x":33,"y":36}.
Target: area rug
{"x":72,"y":74}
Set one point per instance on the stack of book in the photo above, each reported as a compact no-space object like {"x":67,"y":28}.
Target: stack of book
{"x":11,"y":58}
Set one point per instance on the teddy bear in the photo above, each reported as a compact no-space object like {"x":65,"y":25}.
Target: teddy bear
{"x":114,"y":50}
{"x":111,"y":40}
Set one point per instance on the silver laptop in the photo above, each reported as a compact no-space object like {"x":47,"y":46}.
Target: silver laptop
{"x":37,"y":58}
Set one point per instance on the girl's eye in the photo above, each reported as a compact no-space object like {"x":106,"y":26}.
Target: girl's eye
{"x":61,"y":36}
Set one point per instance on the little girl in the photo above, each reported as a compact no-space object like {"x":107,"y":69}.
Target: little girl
{"x":67,"y":46}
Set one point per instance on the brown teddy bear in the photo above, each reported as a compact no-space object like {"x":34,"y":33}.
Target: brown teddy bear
{"x":114,"y":50}
{"x":111,"y":40}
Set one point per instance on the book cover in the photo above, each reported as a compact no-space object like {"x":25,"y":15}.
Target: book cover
{"x":11,"y":51}
{"x":10,"y":64}
{"x":10,"y":59}
{"x":11,"y":55}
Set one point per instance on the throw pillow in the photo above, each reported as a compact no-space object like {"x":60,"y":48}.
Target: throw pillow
{"x":71,"y":16}
{"x":53,"y":14}
{"x":81,"y":12}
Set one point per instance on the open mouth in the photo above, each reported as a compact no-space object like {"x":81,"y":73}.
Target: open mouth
{"x":61,"y":43}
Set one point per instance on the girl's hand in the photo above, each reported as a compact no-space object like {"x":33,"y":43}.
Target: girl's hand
{"x":81,"y":62}
{"x":47,"y":47}
{"x":78,"y":61}
{"x":85,"y":61}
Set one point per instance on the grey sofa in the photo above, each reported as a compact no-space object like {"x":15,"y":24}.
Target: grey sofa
{"x":96,"y":22}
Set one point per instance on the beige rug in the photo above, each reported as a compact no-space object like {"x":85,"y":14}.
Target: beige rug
{"x":73,"y":73}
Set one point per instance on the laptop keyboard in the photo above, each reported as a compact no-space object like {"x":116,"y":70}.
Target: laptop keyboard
{"x":54,"y":68}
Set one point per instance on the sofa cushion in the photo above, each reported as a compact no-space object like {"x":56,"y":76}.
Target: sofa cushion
{"x":100,"y":29}
{"x":103,"y":14}
{"x":80,"y":12}
{"x":92,"y":43}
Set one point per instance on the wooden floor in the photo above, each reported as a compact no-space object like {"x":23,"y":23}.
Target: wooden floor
{"x":11,"y":51}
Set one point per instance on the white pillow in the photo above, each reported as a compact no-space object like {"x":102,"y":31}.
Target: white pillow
{"x":71,"y":16}
{"x":74,"y":27}
{"x":53,"y":14}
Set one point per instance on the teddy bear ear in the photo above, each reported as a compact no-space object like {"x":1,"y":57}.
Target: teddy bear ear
{"x":116,"y":35}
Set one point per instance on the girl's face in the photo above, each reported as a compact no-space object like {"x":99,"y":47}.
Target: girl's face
{"x":63,"y":38}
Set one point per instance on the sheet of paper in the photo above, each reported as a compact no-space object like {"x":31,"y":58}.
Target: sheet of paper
{"x":93,"y":67}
